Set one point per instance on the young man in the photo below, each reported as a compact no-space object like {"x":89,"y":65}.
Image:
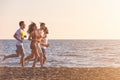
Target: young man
{"x":19,"y":36}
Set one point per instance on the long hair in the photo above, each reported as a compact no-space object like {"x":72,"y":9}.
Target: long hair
{"x":42,"y":24}
{"x":31,"y":28}
{"x":45,"y":29}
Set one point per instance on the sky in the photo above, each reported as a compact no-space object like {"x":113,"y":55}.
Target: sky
{"x":65,"y":19}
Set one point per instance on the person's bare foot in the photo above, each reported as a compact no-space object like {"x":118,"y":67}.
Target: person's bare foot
{"x":33,"y":66}
{"x":41,"y":67}
{"x":44,"y":60}
{"x":24,"y":61}
{"x":22,"y":65}
{"x":4,"y":58}
{"x":20,"y":62}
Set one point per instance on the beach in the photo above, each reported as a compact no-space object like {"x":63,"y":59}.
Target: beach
{"x":82,"y":60}
{"x":59,"y":73}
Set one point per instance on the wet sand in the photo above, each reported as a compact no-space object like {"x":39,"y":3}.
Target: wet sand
{"x":63,"y":73}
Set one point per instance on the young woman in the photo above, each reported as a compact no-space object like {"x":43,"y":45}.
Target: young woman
{"x":34,"y":36}
{"x":44,"y":43}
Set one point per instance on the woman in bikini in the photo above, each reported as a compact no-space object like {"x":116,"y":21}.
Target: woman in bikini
{"x":34,"y":36}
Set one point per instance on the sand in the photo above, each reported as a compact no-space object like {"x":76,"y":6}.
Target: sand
{"x":63,"y":73}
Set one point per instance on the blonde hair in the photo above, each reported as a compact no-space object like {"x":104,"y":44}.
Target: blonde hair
{"x":31,"y":27}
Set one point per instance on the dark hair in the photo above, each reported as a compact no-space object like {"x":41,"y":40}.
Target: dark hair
{"x":21,"y":22}
{"x":42,"y":24}
{"x":46,"y":30}
{"x":31,"y":28}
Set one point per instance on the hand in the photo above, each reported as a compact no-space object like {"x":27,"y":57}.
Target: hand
{"x":47,"y":45}
{"x":25,"y":36}
{"x":20,"y":41}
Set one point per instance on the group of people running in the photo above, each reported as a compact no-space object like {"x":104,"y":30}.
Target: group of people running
{"x":38,"y":38}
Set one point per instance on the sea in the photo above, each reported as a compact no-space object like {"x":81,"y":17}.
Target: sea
{"x":68,"y":53}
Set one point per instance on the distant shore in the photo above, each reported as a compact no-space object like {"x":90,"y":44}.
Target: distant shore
{"x":63,"y":73}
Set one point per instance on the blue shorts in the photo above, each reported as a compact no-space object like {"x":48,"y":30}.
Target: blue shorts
{"x":43,"y":51}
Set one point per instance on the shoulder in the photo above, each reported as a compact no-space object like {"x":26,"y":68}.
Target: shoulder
{"x":38,"y":29}
{"x":18,"y":31}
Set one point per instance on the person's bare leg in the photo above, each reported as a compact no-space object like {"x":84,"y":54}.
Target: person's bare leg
{"x":35,"y":60}
{"x":32,"y":59}
{"x":44,"y":59}
{"x":28,"y":58}
{"x":10,"y":56}
{"x":22,"y":59}
{"x":41,"y":59}
{"x":40,"y":53}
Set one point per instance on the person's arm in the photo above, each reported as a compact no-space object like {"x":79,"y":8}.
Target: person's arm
{"x":46,"y":45}
{"x":30,"y":37}
{"x":16,"y":37}
{"x":25,"y":36}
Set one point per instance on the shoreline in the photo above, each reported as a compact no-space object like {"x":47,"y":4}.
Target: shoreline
{"x":59,"y":73}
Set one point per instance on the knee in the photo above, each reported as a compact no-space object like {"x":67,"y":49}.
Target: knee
{"x":36,"y":57}
{"x":23,"y":55}
{"x":17,"y":55}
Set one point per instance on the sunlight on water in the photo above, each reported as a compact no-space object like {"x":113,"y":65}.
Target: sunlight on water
{"x":70,"y":53}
